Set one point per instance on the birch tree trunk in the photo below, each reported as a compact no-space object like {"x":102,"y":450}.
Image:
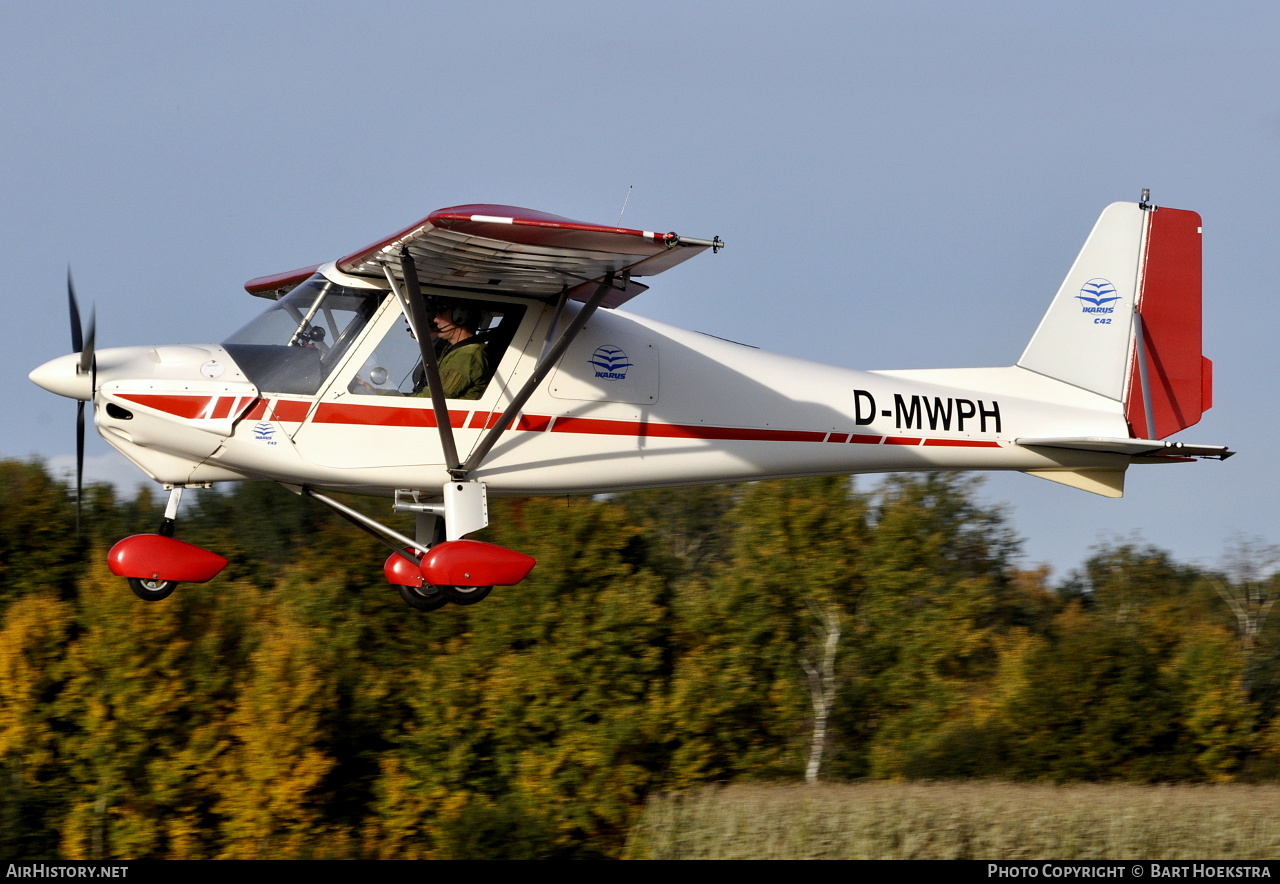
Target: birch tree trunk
{"x":822,"y":682}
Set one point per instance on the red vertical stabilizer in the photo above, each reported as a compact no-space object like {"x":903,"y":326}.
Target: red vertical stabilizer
{"x":1179,"y":379}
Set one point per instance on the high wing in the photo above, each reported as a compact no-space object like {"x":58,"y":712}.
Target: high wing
{"x":513,"y":251}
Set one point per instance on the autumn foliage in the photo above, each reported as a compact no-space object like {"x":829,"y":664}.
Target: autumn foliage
{"x":295,"y":707}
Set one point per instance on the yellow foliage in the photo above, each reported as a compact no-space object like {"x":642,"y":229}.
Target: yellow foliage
{"x":273,"y":769}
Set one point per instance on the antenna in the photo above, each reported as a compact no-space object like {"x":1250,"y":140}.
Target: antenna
{"x":624,"y":205}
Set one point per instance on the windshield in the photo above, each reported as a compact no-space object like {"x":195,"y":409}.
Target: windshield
{"x":294,"y":345}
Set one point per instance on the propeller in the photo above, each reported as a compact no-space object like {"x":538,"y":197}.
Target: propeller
{"x":81,"y":343}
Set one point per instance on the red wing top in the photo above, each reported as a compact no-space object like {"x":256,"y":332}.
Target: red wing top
{"x":512,"y":251}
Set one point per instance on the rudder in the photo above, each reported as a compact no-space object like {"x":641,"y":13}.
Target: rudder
{"x":1170,"y":381}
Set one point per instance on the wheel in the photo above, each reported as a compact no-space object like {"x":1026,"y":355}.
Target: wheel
{"x":465,"y":595}
{"x":152,"y":590}
{"x":428,"y":598}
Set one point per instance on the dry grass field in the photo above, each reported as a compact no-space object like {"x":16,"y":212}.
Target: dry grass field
{"x":989,"y":821}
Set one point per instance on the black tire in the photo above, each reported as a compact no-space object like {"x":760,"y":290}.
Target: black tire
{"x":419,"y":600}
{"x":152,"y":590}
{"x":466,"y":595}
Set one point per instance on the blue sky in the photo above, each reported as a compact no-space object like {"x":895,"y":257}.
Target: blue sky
{"x":901,"y":185}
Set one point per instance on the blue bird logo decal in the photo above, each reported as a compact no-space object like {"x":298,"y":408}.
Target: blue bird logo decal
{"x":1098,"y":292}
{"x":610,"y":363}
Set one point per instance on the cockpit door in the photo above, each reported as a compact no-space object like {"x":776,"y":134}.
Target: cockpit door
{"x":375,"y":411}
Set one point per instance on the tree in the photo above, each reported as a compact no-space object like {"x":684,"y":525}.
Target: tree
{"x":143,"y":710}
{"x":939,"y":594}
{"x":738,"y":691}
{"x":271,"y":797}
{"x":820,"y":670}
{"x":34,"y":632}
{"x":38,"y":546}
{"x":1096,"y":707}
{"x":541,"y":708}
{"x":1252,"y":571}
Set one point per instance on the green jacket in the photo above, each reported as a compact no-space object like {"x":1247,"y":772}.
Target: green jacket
{"x":464,"y":370}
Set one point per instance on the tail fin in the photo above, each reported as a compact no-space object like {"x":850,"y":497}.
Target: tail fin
{"x":1126,"y":321}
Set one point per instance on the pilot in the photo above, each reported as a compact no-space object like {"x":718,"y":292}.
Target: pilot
{"x":463,"y":363}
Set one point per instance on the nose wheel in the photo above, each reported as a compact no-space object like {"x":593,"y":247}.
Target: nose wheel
{"x":152,"y":590}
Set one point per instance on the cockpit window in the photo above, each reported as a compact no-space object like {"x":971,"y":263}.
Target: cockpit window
{"x":294,"y":345}
{"x":467,"y":361}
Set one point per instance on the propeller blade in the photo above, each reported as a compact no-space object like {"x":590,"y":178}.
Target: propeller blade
{"x":77,"y":339}
{"x":79,"y":461}
{"x":87,"y":360}
{"x":83,"y":344}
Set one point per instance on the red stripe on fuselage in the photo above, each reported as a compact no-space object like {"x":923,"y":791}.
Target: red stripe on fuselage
{"x":289,"y":410}
{"x":963,"y":443}
{"x":594,"y":426}
{"x":189,"y":407}
{"x":535,"y":423}
{"x":383,"y":415}
{"x":360,"y":414}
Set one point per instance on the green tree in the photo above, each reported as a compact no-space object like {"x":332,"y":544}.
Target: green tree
{"x":940,"y":593}
{"x":540,"y":707}
{"x":38,"y":546}
{"x":148,"y":690}
{"x":739,"y":697}
{"x":1097,"y":707}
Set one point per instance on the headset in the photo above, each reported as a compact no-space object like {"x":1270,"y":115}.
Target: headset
{"x":461,"y":314}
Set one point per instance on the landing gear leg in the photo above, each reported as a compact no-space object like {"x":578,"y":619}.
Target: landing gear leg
{"x":170,"y":520}
{"x":428,"y":531}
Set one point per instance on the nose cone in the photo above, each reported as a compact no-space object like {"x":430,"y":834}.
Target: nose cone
{"x":63,"y":376}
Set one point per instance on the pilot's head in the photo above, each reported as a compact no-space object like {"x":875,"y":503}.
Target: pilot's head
{"x":450,"y":315}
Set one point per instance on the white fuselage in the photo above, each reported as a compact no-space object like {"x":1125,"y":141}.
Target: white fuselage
{"x":633,"y":403}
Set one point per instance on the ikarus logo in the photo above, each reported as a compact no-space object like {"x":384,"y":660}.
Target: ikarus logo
{"x":264,"y":432}
{"x":1097,"y":296}
{"x":610,"y":363}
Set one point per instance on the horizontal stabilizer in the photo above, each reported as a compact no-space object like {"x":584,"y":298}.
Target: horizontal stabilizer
{"x":1108,"y":483}
{"x":1130,"y":447}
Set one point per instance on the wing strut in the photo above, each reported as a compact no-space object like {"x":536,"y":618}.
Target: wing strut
{"x":417,"y":313}
{"x":549,"y":358}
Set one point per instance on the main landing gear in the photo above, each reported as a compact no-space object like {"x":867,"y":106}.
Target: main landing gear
{"x":403,"y":570}
{"x":437,"y":567}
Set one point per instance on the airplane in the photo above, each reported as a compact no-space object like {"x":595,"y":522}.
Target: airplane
{"x":354,"y":379}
